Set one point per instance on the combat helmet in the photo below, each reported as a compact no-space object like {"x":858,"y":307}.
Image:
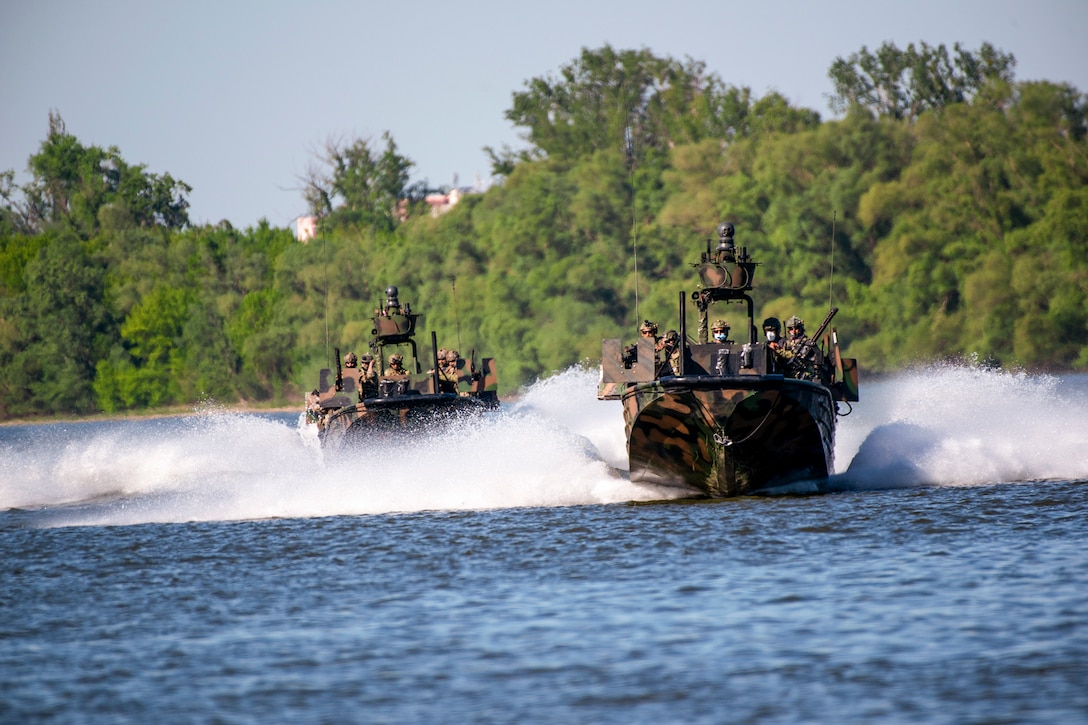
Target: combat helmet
{"x":797,"y":322}
{"x":720,"y":325}
{"x":648,"y":327}
{"x":772,"y":323}
{"x":672,"y":338}
{"x":350,"y":360}
{"x":396,"y":358}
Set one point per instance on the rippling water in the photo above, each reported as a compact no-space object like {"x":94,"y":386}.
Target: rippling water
{"x":215,"y":567}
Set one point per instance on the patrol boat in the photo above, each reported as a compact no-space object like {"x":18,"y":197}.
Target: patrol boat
{"x":387,"y":390}
{"x":733,"y":418}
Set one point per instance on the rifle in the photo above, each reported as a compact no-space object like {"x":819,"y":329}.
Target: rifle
{"x":827,"y":321}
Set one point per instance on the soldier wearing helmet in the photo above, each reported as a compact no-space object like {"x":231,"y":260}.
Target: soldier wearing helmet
{"x":772,"y":332}
{"x":447,"y":371}
{"x":649,"y":330}
{"x":670,"y":354}
{"x":719,"y":331}
{"x":350,"y":360}
{"x":795,"y":326}
{"x":368,"y":377}
{"x":396,"y":365}
{"x":802,"y":356}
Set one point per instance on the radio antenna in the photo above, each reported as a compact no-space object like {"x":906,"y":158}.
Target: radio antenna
{"x":456,"y":316}
{"x":629,"y":149}
{"x":634,"y":254}
{"x":831,"y":284}
{"x":325,"y":259}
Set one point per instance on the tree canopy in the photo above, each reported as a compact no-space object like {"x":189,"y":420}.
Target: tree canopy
{"x":902,"y":84}
{"x":954,"y":223}
{"x":352,"y":184}
{"x":74,"y":185}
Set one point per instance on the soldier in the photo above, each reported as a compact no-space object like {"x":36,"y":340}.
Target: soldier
{"x":314,"y":414}
{"x":350,"y":360}
{"x":649,"y":330}
{"x":396,"y":365}
{"x":803,"y":357}
{"x":720,"y":331}
{"x":368,"y":377}
{"x":670,"y":362}
{"x":447,"y":372}
{"x":772,"y":331}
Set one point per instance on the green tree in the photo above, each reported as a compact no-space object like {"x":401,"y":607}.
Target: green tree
{"x":636,"y":102}
{"x":54,"y":331}
{"x":72,"y":184}
{"x":901,"y":84}
{"x":356,"y":185}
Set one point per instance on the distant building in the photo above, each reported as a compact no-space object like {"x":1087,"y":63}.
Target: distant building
{"x":305,"y":228}
{"x":442,"y":203}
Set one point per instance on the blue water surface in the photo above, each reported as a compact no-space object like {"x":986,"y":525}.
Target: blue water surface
{"x":219,"y":570}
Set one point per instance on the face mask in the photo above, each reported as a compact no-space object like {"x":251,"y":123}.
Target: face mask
{"x":771,"y":337}
{"x":719,"y":336}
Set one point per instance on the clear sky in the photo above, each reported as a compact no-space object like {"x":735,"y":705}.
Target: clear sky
{"x":234,"y":96}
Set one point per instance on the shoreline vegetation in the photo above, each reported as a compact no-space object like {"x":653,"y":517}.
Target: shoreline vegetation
{"x":173,"y":411}
{"x":213,"y":408}
{"x":942,"y":207}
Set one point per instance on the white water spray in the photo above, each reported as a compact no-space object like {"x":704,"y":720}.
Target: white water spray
{"x":961,"y":426}
{"x":556,"y":446}
{"x":540,"y":451}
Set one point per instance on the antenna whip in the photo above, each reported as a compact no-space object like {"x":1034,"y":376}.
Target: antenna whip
{"x":831,"y":284}
{"x":629,"y":149}
{"x":325,"y":256}
{"x":456,"y":316}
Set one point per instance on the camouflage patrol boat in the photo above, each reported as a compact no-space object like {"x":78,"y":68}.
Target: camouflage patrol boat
{"x":387,"y":390}
{"x":732,"y":419}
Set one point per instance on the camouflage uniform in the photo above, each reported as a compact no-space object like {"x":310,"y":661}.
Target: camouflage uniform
{"x":724,"y":327}
{"x":647,"y":330}
{"x":447,"y":372}
{"x":368,"y":378}
{"x":314,"y":413}
{"x":670,"y":362}
{"x":800,"y":353}
{"x":772,"y":332}
{"x":396,"y":366}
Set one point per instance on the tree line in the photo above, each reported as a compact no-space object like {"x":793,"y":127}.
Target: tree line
{"x":944,"y":210}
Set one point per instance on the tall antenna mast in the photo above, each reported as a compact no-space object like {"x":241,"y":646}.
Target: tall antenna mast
{"x":831,"y":284}
{"x":634,"y":253}
{"x":456,"y":316}
{"x":325,"y":256}
{"x":629,"y":143}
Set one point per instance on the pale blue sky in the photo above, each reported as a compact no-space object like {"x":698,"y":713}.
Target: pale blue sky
{"x":233,"y":97}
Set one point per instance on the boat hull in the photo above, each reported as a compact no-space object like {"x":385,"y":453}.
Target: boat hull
{"x":729,"y":436}
{"x":374,"y":419}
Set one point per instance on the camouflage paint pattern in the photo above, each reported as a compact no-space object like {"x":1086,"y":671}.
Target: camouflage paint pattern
{"x":346,"y":412}
{"x":729,"y":436}
{"x":406,"y":402}
{"x":735,"y":420}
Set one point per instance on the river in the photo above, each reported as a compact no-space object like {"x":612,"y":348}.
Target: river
{"x":215,"y":567}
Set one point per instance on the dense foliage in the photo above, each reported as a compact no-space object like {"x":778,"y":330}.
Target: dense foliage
{"x":945,"y":212}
